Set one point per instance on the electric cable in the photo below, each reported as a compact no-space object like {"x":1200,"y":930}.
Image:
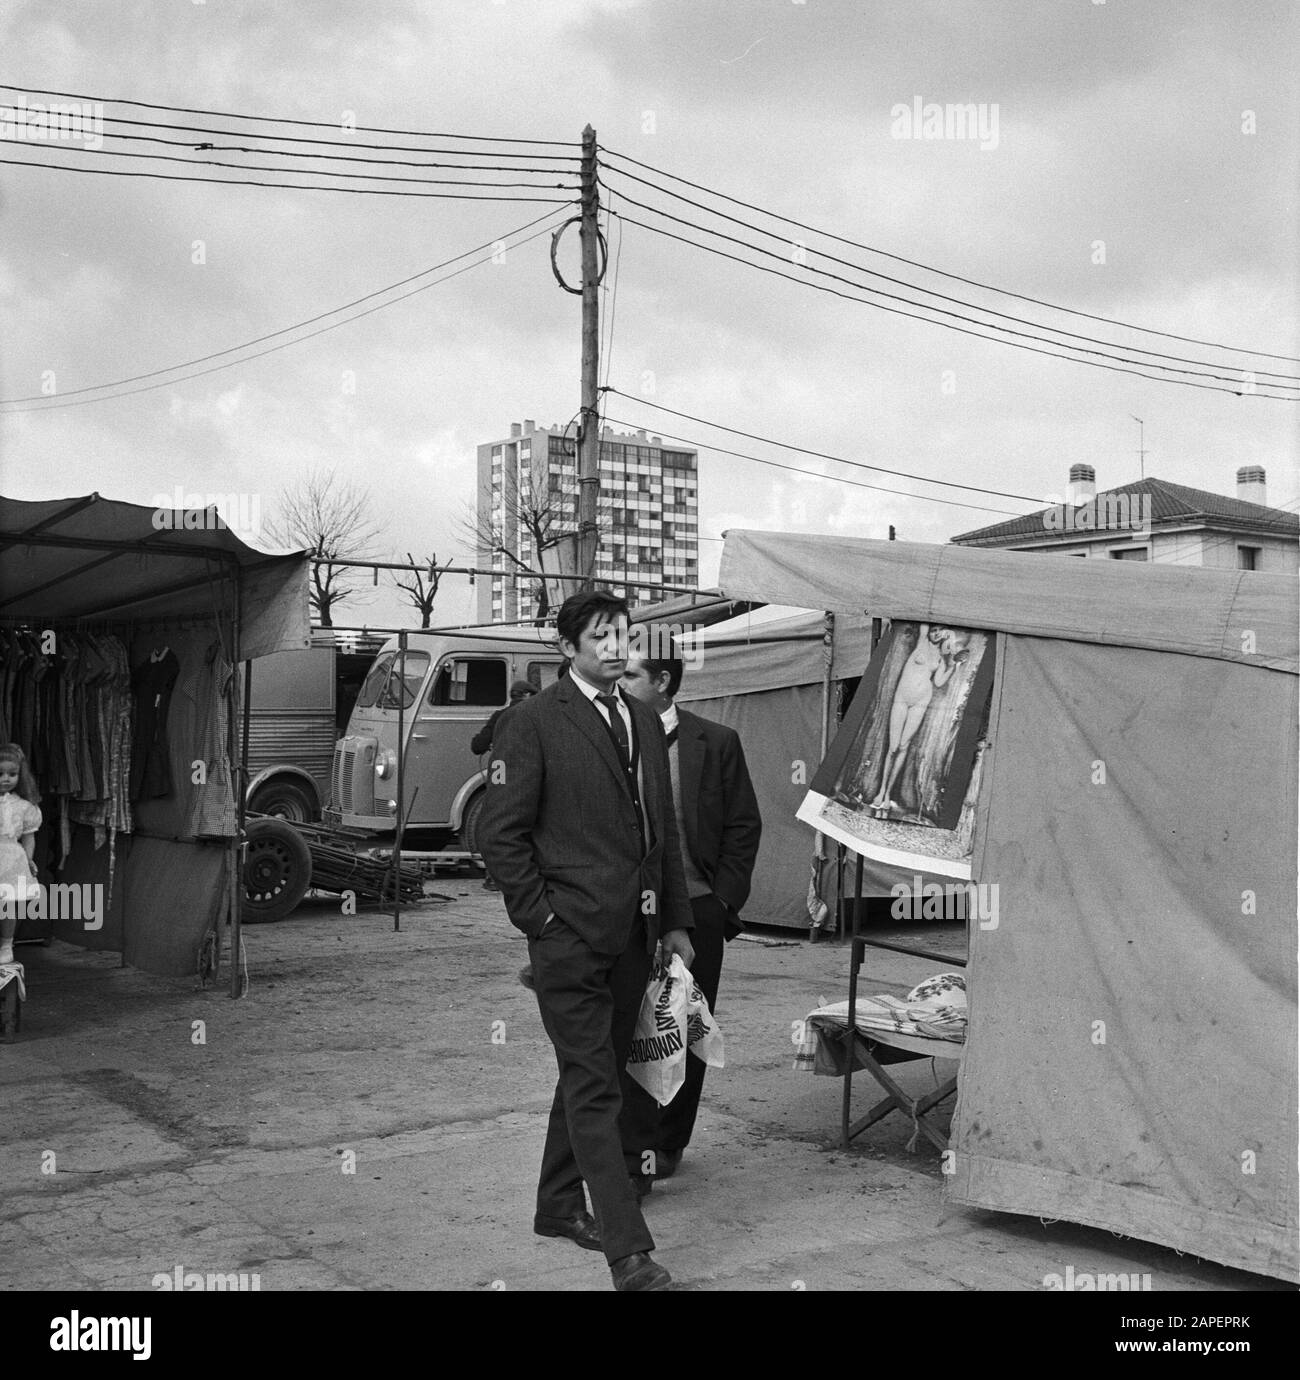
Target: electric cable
{"x":51,"y":404}
{"x":315,"y":172}
{"x":284,"y":330}
{"x":289,"y":186}
{"x":209,"y":147}
{"x":942,"y":311}
{"x":816,"y":474}
{"x":278,"y":119}
{"x":896,"y":311}
{"x":970,"y":282}
{"x":915,"y":287}
{"x":821,"y":454}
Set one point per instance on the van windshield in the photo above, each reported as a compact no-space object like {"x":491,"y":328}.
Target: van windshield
{"x":374,"y":681}
{"x":390,"y":685}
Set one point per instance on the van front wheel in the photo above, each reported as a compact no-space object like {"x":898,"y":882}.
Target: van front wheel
{"x":470,"y":829}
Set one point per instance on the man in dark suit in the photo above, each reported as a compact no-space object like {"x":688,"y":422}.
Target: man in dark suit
{"x":719,"y":826}
{"x":580,"y":833}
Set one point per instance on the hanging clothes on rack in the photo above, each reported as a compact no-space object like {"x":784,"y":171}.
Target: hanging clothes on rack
{"x":152,"y":681}
{"x":213,"y":810}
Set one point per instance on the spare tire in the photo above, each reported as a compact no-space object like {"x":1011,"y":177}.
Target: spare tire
{"x":277,"y":870}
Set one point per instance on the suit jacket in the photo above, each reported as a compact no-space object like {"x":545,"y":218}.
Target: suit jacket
{"x":719,"y":807}
{"x":559,"y":828}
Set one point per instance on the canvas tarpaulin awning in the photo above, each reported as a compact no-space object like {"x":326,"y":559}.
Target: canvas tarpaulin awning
{"x":1232,"y":615}
{"x":1131,"y":1055}
{"x":168,"y":581}
{"x":97,"y":558}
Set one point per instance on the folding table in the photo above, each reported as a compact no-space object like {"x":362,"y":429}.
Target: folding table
{"x":914,"y":1046}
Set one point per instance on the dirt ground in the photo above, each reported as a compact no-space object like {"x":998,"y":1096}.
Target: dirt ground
{"x":371,"y":1114}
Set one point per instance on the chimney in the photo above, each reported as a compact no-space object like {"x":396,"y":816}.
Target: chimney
{"x":641,"y":436}
{"x":529,"y":426}
{"x":515,"y":430}
{"x":1082,"y":487}
{"x":1250,"y":484}
{"x":656,"y":441}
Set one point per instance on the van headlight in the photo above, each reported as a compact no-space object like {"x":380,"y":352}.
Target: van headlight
{"x":385,"y":763}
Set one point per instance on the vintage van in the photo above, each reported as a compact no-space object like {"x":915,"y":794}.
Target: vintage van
{"x":449,"y":685}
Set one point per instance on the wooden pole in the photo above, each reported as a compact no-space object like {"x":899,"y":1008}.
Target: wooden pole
{"x":589,"y":432}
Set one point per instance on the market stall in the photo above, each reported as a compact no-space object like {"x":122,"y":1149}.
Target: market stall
{"x":121,"y":627}
{"x":1130,"y":1060}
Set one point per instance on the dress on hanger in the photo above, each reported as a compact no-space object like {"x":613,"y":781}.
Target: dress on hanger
{"x":153,"y":681}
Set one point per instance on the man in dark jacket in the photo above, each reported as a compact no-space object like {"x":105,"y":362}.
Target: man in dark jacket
{"x":580,"y":832}
{"x":482,"y":740}
{"x":719,"y":826}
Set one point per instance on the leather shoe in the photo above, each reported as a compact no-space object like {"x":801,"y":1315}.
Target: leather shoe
{"x":642,"y":1184}
{"x":581,"y":1229}
{"x":639,"y":1273}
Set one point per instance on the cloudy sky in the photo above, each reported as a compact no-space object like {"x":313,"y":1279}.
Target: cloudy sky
{"x":1136,"y":162}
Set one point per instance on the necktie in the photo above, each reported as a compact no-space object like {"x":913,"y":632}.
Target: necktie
{"x":672,"y":737}
{"x":619,"y":729}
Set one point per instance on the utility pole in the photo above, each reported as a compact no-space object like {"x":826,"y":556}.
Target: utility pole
{"x":589,"y":429}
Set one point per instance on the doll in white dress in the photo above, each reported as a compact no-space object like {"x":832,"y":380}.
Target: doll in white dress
{"x":19,"y":820}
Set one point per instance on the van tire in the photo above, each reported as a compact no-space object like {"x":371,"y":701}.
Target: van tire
{"x":470,"y":833}
{"x":277,"y":871}
{"x":285,"y":800}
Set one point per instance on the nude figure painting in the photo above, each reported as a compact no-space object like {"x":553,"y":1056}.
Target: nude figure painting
{"x":899,"y":780}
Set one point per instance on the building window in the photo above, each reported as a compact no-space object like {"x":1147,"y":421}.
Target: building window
{"x":1130,"y":553}
{"x":1248,"y":557}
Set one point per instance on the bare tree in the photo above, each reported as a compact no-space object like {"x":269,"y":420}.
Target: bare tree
{"x":422,"y":586}
{"x":545,"y":519}
{"x":333,"y":519}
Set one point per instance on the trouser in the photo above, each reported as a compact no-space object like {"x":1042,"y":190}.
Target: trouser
{"x":644,"y":1125}
{"x":589,"y":1004}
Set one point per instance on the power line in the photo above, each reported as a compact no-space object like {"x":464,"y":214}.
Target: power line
{"x":289,"y":186}
{"x":896,"y":311}
{"x":816,"y":474}
{"x":938,"y":311}
{"x":314,"y":172}
{"x":298,"y":325}
{"x":207,"y":146}
{"x":954,"y":277}
{"x":279,"y":119}
{"x":914,"y":287}
{"x":51,"y":404}
{"x":608,"y":350}
{"x":821,"y":454}
{"x":324,"y":143}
